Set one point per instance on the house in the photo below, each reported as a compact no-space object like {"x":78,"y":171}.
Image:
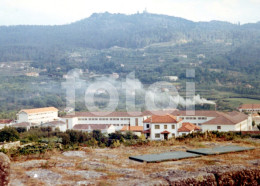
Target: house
{"x":196,"y":117}
{"x":32,"y":74}
{"x":55,"y":125}
{"x":214,"y":120}
{"x":188,"y":128}
{"x":256,"y":118}
{"x":252,"y":108}
{"x":25,"y":125}
{"x":137,"y":130}
{"x":118,"y":119}
{"x":5,"y":123}
{"x":38,"y":115}
{"x":161,"y":127}
{"x":231,"y":121}
{"x":104,"y":128}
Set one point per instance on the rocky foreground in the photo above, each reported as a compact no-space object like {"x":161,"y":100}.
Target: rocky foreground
{"x":112,"y":167}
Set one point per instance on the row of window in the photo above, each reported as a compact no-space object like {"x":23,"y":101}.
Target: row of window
{"x":158,"y":135}
{"x":83,"y":119}
{"x":194,"y":118}
{"x":121,"y":124}
{"x":42,"y":113}
{"x":165,"y":126}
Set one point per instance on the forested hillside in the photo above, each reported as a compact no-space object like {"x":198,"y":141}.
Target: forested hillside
{"x":226,"y":56}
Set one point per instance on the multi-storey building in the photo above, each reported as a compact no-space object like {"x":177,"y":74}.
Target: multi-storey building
{"x":38,"y":115}
{"x":117,"y":119}
{"x":162,"y":127}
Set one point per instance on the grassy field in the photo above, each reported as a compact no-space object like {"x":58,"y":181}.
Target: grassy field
{"x":236,"y":102}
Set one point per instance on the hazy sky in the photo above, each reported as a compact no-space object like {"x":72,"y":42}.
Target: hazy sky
{"x":45,"y":12}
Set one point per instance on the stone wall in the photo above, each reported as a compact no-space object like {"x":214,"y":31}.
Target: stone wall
{"x":4,"y":169}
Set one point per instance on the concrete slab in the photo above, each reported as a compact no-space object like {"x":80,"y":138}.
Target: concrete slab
{"x":168,"y":156}
{"x":219,"y":150}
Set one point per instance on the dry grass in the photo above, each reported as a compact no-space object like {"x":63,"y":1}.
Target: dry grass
{"x":117,"y":159}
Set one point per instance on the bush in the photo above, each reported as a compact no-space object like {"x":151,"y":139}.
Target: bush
{"x":9,"y":134}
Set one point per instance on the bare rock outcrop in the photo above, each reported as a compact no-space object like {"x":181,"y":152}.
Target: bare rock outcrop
{"x":235,"y":174}
{"x":182,"y":178}
{"x":225,"y":175}
{"x":4,"y":169}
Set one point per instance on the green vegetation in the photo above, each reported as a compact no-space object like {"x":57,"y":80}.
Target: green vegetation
{"x":225,"y":57}
{"x":8,"y":134}
{"x":41,"y":140}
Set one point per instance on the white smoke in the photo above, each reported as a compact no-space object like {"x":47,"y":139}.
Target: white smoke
{"x":164,"y":95}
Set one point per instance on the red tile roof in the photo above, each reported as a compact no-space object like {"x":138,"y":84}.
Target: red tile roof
{"x":39,"y":110}
{"x":24,"y":124}
{"x":229,"y":118}
{"x":161,"y":119}
{"x":208,"y":113}
{"x":250,"y":106}
{"x":188,"y":127}
{"x":133,"y":128}
{"x":147,"y":131}
{"x":55,"y":123}
{"x":5,"y":121}
{"x":165,"y":132}
{"x":91,"y":126}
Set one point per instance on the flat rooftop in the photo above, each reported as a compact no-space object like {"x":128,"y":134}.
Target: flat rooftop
{"x":168,"y":156}
{"x":219,"y":150}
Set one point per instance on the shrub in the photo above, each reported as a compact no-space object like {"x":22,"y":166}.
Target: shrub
{"x":9,"y":134}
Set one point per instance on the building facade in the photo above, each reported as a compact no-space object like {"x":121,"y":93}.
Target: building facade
{"x":104,"y":128}
{"x":38,"y":115}
{"x":161,"y":127}
{"x":117,"y":119}
{"x":250,"y":108}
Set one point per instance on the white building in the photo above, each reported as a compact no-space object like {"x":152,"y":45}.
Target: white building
{"x":5,"y":123}
{"x":162,"y":127}
{"x":250,"y":108}
{"x":232,"y":121}
{"x":137,"y":130}
{"x":38,"y":115}
{"x":55,"y":125}
{"x":117,"y":119}
{"x":197,"y":117}
{"x":25,"y":125}
{"x":188,"y":128}
{"x":90,"y":127}
{"x":215,"y":120}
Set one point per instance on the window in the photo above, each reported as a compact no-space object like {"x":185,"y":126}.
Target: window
{"x":157,"y":135}
{"x":165,"y":126}
{"x":173,"y":126}
{"x":157,"y":126}
{"x":136,"y":121}
{"x":147,"y":126}
{"x":173,"y":135}
{"x":218,"y":127}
